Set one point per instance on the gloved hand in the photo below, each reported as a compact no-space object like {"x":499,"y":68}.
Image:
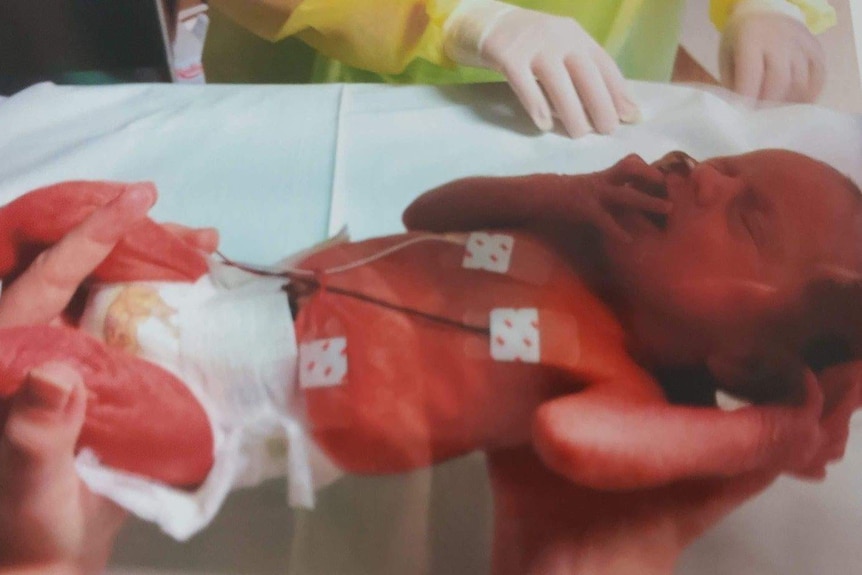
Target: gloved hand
{"x":768,"y":53}
{"x":537,"y":51}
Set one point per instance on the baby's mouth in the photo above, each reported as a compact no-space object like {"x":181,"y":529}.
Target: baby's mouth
{"x":675,"y":163}
{"x":673,"y":166}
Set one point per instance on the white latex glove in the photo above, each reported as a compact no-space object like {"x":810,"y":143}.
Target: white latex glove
{"x":583,"y":83}
{"x":768,"y":53}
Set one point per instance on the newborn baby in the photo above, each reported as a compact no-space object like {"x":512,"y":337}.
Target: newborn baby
{"x":401,"y":352}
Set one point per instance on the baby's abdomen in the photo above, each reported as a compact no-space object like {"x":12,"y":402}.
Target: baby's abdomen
{"x":404,"y":340}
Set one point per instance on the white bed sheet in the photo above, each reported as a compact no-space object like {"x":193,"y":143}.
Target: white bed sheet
{"x":255,"y":163}
{"x":276,"y":168}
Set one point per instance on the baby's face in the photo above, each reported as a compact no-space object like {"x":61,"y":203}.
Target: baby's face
{"x":745,"y":236}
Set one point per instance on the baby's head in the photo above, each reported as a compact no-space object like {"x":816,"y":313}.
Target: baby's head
{"x":751,"y":272}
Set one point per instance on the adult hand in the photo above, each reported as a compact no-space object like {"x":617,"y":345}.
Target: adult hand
{"x":551,"y":62}
{"x":49,"y":521}
{"x":803,"y":439}
{"x":842,"y":391}
{"x":48,"y":518}
{"x":771,"y":56}
{"x":545,"y":524}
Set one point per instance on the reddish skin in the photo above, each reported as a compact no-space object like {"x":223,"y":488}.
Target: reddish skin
{"x":545,"y":525}
{"x":591,"y":413}
{"x":124,"y":393}
{"x":419,"y":378}
{"x":763,"y":217}
{"x":40,"y":218}
{"x":599,"y":422}
{"x":176,"y":447}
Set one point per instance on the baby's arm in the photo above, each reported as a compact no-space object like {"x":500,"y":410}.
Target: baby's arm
{"x":602,"y":439}
{"x":519,"y":202}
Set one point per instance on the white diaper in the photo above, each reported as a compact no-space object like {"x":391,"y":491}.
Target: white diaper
{"x":230,"y":338}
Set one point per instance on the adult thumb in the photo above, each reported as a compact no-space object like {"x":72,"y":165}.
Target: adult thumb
{"x":42,"y":427}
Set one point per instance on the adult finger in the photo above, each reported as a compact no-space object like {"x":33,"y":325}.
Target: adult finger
{"x":42,"y":428}
{"x":816,"y":72}
{"x":748,"y":67}
{"x":593,"y":93}
{"x":814,"y":400}
{"x":528,"y":92}
{"x":555,"y":79}
{"x":841,"y":387}
{"x":44,"y":290}
{"x":627,"y":111}
{"x":815,"y":472}
{"x":800,"y":79}
{"x":726,"y":67}
{"x":776,"y":77}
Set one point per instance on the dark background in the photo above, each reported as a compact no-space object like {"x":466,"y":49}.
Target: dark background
{"x":44,"y":39}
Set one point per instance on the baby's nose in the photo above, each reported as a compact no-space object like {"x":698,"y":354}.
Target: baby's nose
{"x":713,"y":187}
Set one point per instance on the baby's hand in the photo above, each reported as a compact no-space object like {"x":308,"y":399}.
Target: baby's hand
{"x":596,"y":198}
{"x":536,"y":200}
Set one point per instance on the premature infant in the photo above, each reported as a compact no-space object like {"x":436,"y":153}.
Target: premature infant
{"x":396,"y":353}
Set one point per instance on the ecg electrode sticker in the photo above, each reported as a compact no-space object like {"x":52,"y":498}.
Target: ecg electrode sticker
{"x":490,"y":252}
{"x":515,"y":335}
{"x":322,"y":362}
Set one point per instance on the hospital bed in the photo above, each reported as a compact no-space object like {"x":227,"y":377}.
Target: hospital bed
{"x":279,"y":168}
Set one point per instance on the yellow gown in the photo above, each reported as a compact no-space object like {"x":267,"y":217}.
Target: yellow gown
{"x":401,"y":41}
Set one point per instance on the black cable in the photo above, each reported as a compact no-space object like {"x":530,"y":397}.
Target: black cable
{"x":316,"y":284}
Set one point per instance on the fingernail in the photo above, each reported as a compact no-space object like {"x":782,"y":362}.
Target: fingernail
{"x":142,"y":194}
{"x":130,"y":206}
{"x":543,"y":121}
{"x":51,"y":385}
{"x":630,"y":113}
{"x":208,"y":238}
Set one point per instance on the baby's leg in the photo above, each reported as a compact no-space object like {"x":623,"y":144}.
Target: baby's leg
{"x":140,"y":418}
{"x":40,"y":218}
